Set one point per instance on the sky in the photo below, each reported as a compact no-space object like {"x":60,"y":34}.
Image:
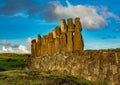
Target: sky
{"x":22,"y":20}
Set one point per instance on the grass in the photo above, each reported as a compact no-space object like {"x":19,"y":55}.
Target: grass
{"x":33,"y":77}
{"x":11,"y":62}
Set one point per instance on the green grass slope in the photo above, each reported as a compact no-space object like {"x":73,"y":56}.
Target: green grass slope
{"x":12,"y":61}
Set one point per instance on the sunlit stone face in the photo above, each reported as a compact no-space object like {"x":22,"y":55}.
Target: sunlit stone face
{"x":63,"y":25}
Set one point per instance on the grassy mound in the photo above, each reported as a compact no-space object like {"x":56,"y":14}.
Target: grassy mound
{"x":32,"y":77}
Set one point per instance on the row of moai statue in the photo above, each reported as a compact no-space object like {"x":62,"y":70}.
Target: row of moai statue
{"x":66,"y":38}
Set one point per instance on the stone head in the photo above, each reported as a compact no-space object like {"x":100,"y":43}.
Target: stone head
{"x":38,"y":38}
{"x":57,"y":31}
{"x":50,"y":35}
{"x":63,"y":25}
{"x":78,"y":23}
{"x":33,"y":41}
{"x":70,"y":24}
{"x":54,"y":33}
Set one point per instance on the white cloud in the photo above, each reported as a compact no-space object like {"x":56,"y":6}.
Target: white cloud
{"x":7,"y":50}
{"x":20,"y":49}
{"x":90,"y":17}
{"x":20,"y":15}
{"x":106,"y":14}
{"x":4,"y":50}
{"x":24,"y":46}
{"x":29,"y":40}
{"x":11,"y":50}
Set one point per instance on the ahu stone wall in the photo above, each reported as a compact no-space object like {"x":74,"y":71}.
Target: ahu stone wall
{"x":94,"y":65}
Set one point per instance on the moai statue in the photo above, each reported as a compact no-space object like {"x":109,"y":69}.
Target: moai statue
{"x":63,"y":35}
{"x":50,"y":44}
{"x":57,"y":33}
{"x":54,"y":37}
{"x":78,"y":40}
{"x":54,"y":33}
{"x":33,"y":48}
{"x":46,"y":43}
{"x":38,"y":46}
{"x":71,"y":29}
{"x":44,"y":46}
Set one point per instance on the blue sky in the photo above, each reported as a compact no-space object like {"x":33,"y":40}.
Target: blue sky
{"x":22,"y":20}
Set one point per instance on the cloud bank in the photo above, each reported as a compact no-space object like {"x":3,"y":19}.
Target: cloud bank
{"x":92,"y":17}
{"x":8,"y":44}
{"x":89,"y":17}
{"x":8,"y":47}
{"x":21,"y":50}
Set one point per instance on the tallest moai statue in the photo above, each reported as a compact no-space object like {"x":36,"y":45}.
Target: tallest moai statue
{"x":78,"y":40}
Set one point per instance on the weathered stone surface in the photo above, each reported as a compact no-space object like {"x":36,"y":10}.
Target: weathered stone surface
{"x":69,"y":46}
{"x":90,"y":64}
{"x":117,"y":56}
{"x":71,"y":29}
{"x":38,"y":46}
{"x":54,"y":33}
{"x":33,"y":47}
{"x":58,"y":31}
{"x":63,"y":26}
{"x":44,"y":45}
{"x":78,"y":23}
{"x":78,"y":40}
{"x":57,"y":39}
{"x":63,"y":35}
{"x":63,"y":41}
{"x":50,"y":44}
{"x":70,"y":25}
